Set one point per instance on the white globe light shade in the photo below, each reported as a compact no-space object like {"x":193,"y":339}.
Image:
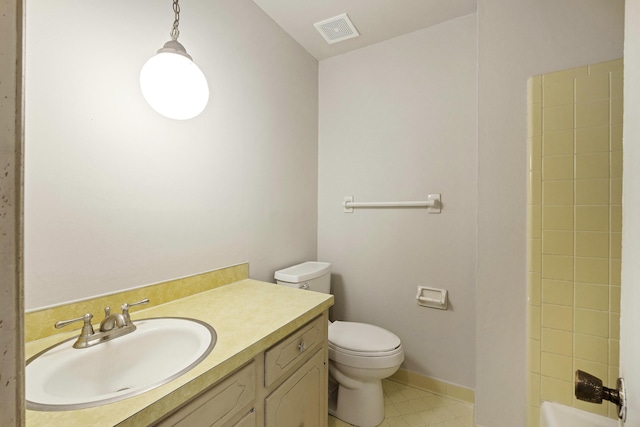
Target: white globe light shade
{"x":174,"y":86}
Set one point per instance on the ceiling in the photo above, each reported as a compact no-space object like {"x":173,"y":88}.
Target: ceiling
{"x":375,"y":20}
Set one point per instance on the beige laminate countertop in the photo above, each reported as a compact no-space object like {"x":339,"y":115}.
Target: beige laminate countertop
{"x":249,"y":316}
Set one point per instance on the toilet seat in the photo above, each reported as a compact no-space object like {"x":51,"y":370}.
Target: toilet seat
{"x":365,"y":353}
{"x":362,"y":338}
{"x":361,"y":345}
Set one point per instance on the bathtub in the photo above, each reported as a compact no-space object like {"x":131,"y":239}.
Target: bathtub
{"x":555,"y":415}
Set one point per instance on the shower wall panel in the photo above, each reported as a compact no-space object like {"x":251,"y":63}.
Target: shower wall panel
{"x":574,"y":235}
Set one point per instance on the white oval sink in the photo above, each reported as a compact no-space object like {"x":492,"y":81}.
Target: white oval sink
{"x":65,"y":378}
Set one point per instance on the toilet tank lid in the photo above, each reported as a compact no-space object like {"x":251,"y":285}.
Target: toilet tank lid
{"x":302,"y":272}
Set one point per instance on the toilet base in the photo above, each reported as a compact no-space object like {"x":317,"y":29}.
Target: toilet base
{"x":362,"y":406}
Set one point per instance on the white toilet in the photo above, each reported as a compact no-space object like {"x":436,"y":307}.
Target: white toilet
{"x":360,"y":355}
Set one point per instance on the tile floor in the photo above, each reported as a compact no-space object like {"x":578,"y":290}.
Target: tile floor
{"x":411,"y":407}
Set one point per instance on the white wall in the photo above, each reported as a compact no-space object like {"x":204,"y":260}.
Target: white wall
{"x":518,"y":39}
{"x":118,"y":196}
{"x":630,"y":315}
{"x":397,"y":122}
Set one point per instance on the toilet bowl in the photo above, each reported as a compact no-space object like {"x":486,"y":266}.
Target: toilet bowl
{"x":360,"y":355}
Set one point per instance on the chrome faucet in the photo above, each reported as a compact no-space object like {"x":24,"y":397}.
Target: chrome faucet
{"x":111,"y":321}
{"x":112,"y":326}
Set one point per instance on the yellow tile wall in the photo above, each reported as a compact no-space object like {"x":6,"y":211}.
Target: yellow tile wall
{"x":574,"y":232}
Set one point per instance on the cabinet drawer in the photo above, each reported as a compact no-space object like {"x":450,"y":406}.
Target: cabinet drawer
{"x":285,"y":355}
{"x":219,"y":404}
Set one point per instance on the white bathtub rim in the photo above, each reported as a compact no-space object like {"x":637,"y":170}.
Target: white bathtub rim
{"x":553,"y":414}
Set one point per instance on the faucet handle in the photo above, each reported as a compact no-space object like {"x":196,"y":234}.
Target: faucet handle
{"x":85,"y":333}
{"x":125,"y":308}
{"x":86,"y":318}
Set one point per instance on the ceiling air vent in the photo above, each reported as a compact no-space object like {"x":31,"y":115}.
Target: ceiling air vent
{"x":337,"y":29}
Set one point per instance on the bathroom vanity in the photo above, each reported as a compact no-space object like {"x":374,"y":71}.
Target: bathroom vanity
{"x":268,"y":368}
{"x":285,"y":385}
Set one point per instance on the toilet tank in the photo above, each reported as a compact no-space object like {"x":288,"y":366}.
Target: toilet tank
{"x":312,"y":275}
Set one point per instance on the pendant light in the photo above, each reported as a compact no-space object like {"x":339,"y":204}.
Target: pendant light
{"x":171,"y":82}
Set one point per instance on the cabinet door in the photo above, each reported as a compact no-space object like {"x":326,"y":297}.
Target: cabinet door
{"x":219,"y":405}
{"x":298,"y":402}
{"x":248,"y":420}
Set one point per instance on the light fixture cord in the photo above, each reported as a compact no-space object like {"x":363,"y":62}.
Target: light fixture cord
{"x":175,"y":32}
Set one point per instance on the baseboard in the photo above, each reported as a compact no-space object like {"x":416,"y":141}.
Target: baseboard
{"x":442,"y":388}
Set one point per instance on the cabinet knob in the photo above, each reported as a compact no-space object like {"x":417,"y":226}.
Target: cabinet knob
{"x":302,"y":346}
